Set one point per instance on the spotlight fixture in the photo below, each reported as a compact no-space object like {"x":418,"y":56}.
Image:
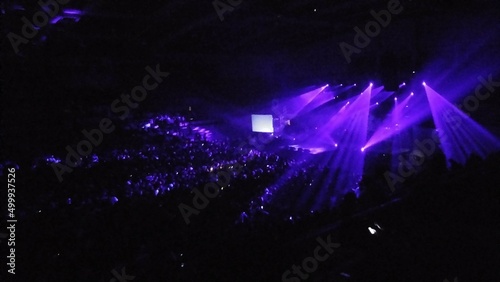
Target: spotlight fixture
{"x":411,"y":94}
{"x":363,"y":149}
{"x":395,"y":98}
{"x":423,"y":83}
{"x":371,"y":84}
{"x":354,"y":84}
{"x":376,"y":103}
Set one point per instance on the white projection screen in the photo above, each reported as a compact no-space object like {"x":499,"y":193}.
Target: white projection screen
{"x":262,"y":123}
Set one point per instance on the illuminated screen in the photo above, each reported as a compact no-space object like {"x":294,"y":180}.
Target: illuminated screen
{"x":262,"y":123}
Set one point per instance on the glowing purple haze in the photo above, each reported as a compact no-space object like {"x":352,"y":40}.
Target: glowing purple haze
{"x":459,"y":135}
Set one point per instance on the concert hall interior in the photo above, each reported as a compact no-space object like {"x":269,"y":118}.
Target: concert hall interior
{"x":237,"y":140}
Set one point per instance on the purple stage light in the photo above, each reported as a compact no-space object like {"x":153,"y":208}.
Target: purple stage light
{"x":56,"y":19}
{"x":68,"y":14}
{"x":304,"y":102}
{"x":345,"y":132}
{"x":395,"y":98}
{"x":423,"y":83}
{"x":405,"y":117}
{"x":371,"y":84}
{"x":411,"y":94}
{"x":363,"y":149}
{"x":459,"y":135}
{"x":72,"y":12}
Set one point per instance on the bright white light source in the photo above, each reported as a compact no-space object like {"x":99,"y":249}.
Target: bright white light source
{"x":262,"y":123}
{"x":372,"y":231}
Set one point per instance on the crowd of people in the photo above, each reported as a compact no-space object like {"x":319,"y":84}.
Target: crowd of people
{"x":170,"y":155}
{"x":120,"y":208}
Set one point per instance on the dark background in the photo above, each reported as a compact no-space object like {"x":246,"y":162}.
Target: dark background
{"x":65,"y":78}
{"x":73,"y":70}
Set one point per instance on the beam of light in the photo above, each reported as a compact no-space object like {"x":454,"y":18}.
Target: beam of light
{"x":418,"y":111}
{"x":376,"y":91}
{"x":72,"y":16}
{"x":398,"y":109}
{"x":56,"y":19}
{"x":296,"y":104}
{"x":72,"y":12}
{"x":398,"y":138}
{"x":346,"y":167}
{"x":323,"y":119}
{"x":380,"y":95}
{"x":339,"y":117}
{"x":340,"y":168}
{"x":342,"y":165}
{"x":459,"y":135}
{"x":324,"y":97}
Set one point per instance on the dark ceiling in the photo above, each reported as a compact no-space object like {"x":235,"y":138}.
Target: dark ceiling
{"x":190,"y":38}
